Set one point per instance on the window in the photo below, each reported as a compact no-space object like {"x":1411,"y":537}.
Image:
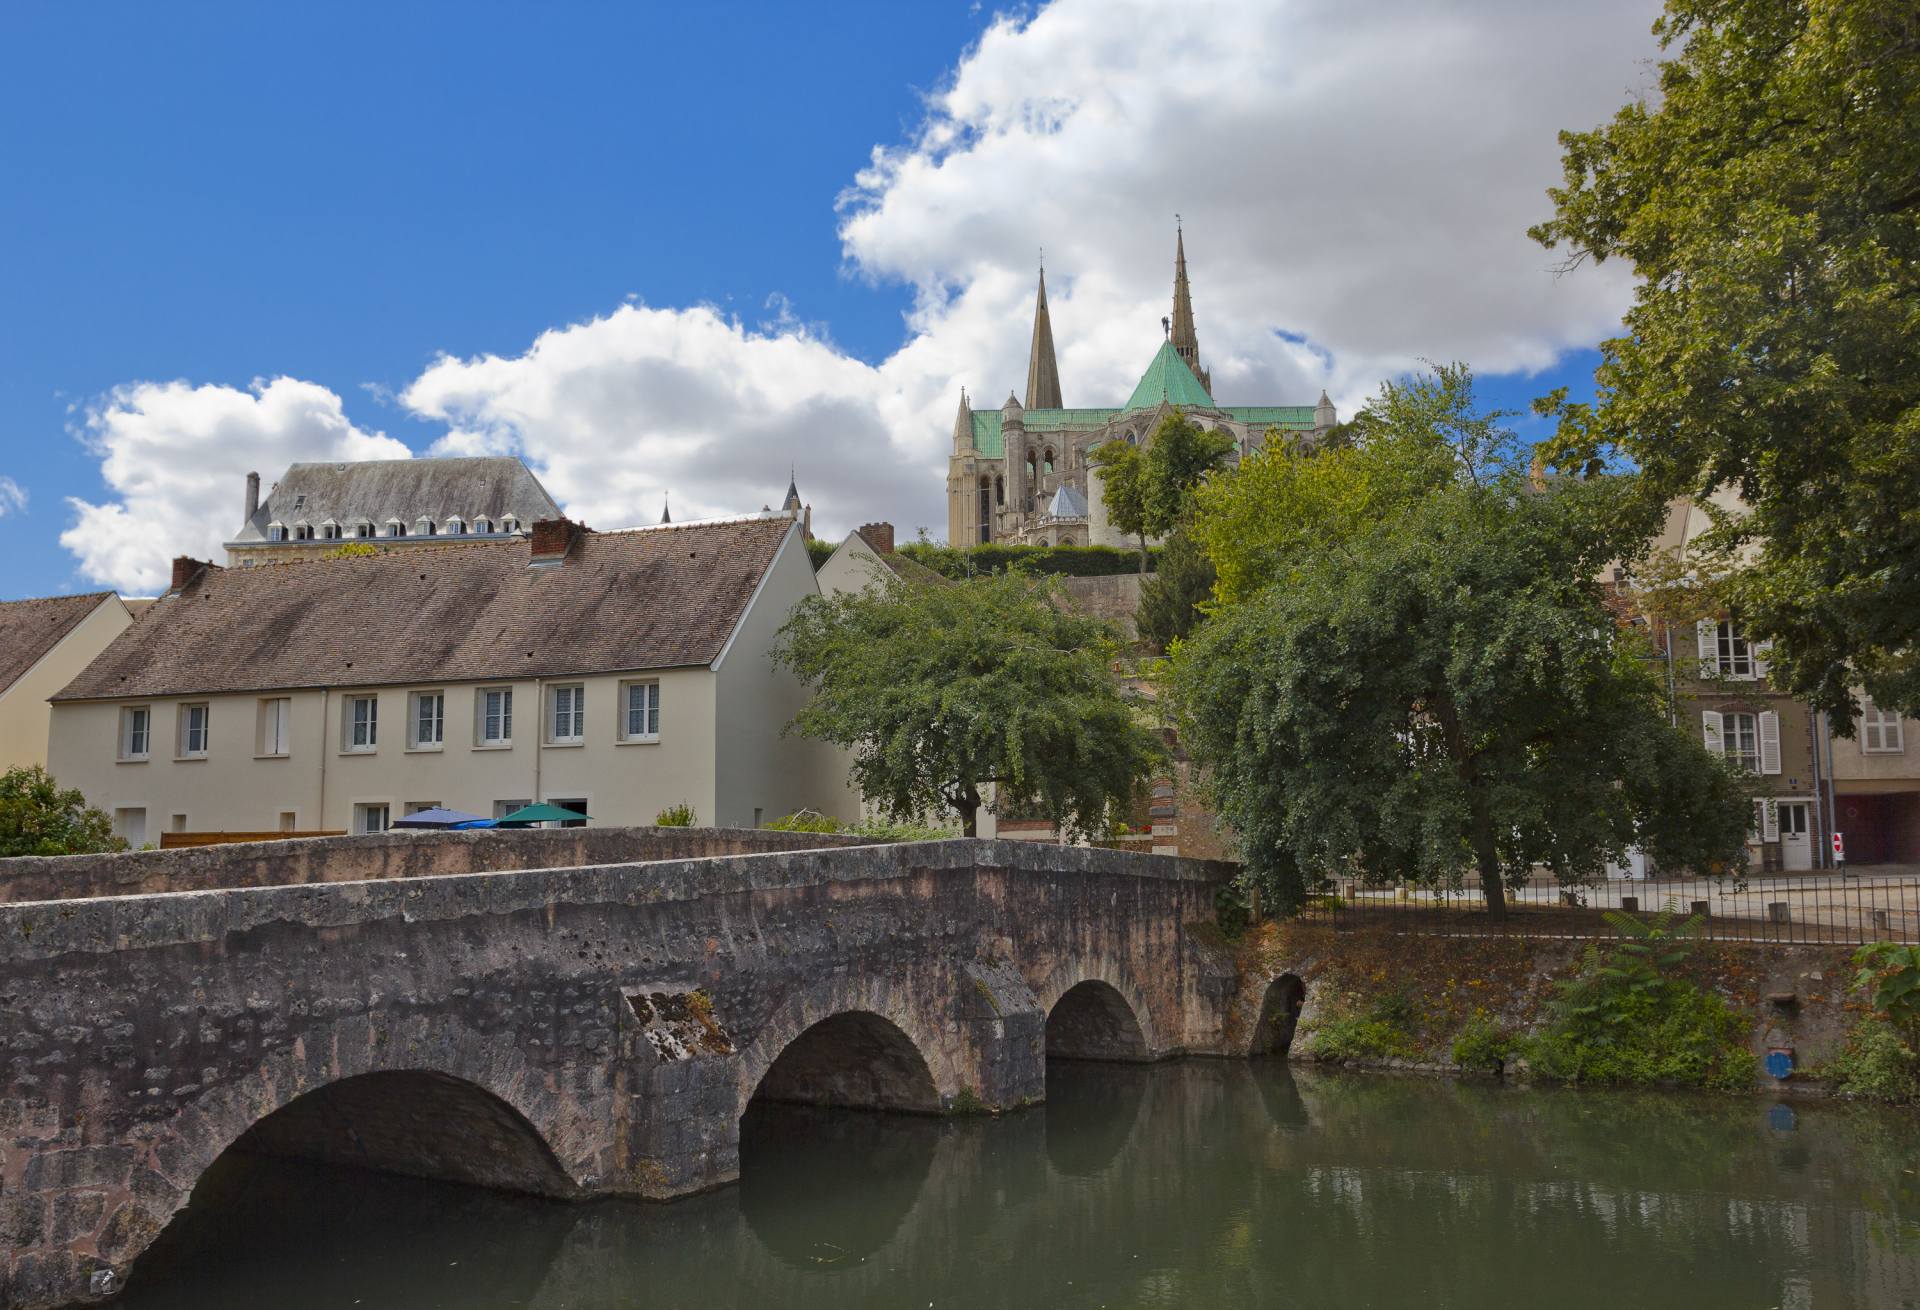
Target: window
{"x":496,"y":716}
{"x":193,"y":730}
{"x":483,"y":525}
{"x":1046,"y":462}
{"x":1881,"y":732}
{"x":130,"y":825}
{"x":986,"y":514}
{"x":395,"y":528}
{"x":330,"y":530}
{"x":1751,"y":741}
{"x":370,"y":818}
{"x":1725,"y":652}
{"x":569,"y":714}
{"x":424,"y":527}
{"x":363,"y":529}
{"x":429,"y":720}
{"x":501,"y":809}
{"x":577,"y":806}
{"x":642,"y":711}
{"x":289,"y":821}
{"x":1766,"y":820}
{"x":303,"y":532}
{"x":136,"y":724}
{"x":276,"y":532}
{"x":363,"y":723}
{"x":456,"y":526}
{"x":414,"y":807}
{"x":274,"y":723}
{"x":178,"y":823}
{"x":509,"y":524}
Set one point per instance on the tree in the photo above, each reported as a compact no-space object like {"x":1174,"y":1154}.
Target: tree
{"x":38,"y":818}
{"x":941,"y":691}
{"x":1413,"y":673}
{"x":1123,"y":490}
{"x":1171,"y":599}
{"x":1179,"y":458}
{"x":1769,"y":200}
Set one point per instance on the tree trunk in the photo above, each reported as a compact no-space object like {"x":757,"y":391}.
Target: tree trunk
{"x":1486,"y":853}
{"x":1487,"y":859}
{"x":968,"y":806}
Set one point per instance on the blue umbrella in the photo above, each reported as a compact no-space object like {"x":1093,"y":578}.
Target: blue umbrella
{"x":439,"y":817}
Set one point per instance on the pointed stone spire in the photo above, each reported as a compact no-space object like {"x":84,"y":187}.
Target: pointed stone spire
{"x":963,"y":426}
{"x":1324,"y":415}
{"x":1186,"y":341}
{"x":1043,"y":372}
{"x":666,"y":514}
{"x":793,"y":491}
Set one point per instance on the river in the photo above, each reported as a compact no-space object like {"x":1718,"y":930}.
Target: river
{"x":1203,"y":1183}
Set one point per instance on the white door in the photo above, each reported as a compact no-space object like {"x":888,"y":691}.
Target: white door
{"x":1796,"y":847}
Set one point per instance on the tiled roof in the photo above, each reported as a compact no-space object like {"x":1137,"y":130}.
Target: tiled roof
{"x":31,"y":628}
{"x":1168,"y":379}
{"x":650,"y":598}
{"x":490,"y":487}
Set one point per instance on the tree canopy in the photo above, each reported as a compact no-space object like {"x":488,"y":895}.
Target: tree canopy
{"x":1414,"y":672}
{"x":1769,"y":200}
{"x":37,"y":817}
{"x":941,"y":692}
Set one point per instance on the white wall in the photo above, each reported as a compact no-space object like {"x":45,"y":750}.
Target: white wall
{"x":25,"y":715}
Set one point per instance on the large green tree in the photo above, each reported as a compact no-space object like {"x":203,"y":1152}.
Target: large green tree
{"x":39,"y":817}
{"x":1414,"y":674}
{"x":941,"y":692}
{"x":1769,"y":200}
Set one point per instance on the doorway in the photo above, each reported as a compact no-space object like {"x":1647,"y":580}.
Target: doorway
{"x":1796,"y":846}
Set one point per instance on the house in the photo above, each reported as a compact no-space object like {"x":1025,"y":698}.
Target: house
{"x":388,"y":503}
{"x":615,"y":673}
{"x":45,"y":643}
{"x":866,"y":554}
{"x":1876,"y":786}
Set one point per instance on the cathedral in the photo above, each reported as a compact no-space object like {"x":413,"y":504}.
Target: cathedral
{"x":1019,"y":473}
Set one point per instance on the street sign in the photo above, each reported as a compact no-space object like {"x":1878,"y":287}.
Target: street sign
{"x":1840,"y":847}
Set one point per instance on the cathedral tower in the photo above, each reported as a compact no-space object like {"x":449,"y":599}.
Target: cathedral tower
{"x":1186,"y":341}
{"x":1043,"y":373}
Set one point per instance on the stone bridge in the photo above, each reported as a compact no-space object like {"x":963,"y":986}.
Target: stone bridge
{"x":569,"y":1032}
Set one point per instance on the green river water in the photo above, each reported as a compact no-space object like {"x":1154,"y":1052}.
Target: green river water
{"x":1204,"y":1183}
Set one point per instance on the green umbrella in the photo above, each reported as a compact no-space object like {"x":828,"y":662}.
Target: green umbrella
{"x":528,"y":815}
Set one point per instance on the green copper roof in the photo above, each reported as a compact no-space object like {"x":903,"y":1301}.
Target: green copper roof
{"x":1294,"y":417}
{"x":1168,"y":378}
{"x":986,"y":433}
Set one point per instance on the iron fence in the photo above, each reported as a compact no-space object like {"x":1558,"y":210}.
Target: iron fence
{"x":1800,"y":908}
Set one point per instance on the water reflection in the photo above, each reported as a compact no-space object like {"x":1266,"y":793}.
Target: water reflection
{"x":1199,"y":1184}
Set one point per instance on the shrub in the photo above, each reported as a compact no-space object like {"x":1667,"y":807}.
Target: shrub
{"x":1482,"y":1045}
{"x":1875,"y":1064}
{"x":1231,"y":910}
{"x":961,"y":563}
{"x":880,"y":830}
{"x":38,"y":817}
{"x":820,"y":551}
{"x":1617,"y":1020}
{"x":1890,"y":975}
{"x":676,"y":816}
{"x":804,"y":821}
{"x":1382,"y":1031}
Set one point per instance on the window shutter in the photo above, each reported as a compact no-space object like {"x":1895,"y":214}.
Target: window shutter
{"x":1761,"y":650}
{"x":1708,"y":632}
{"x":1769,"y":821}
{"x":1769,"y":742}
{"x":1710,"y":728}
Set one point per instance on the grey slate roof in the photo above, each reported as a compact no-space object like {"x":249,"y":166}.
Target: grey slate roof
{"x":1067,"y":504}
{"x":649,"y":598}
{"x":486,"y":486}
{"x":31,"y":628}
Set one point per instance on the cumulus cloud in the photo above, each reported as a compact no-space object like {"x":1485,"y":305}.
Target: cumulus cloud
{"x":13,"y":496}
{"x":1356,"y":183}
{"x":173,"y":456}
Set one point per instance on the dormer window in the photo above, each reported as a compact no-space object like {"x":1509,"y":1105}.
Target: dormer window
{"x":482,"y":525}
{"x":303,"y":532}
{"x":276,"y":531}
{"x":395,"y":528}
{"x":330,"y":531}
{"x":363,"y":528}
{"x":456,"y":526}
{"x":509,"y":524}
{"x":423,"y":527}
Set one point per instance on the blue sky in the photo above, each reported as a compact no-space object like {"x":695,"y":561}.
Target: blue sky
{"x":391,"y":203}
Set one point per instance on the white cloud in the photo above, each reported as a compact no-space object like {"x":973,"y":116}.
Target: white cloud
{"x":174,"y":456}
{"x":13,"y":496}
{"x":1356,"y":182}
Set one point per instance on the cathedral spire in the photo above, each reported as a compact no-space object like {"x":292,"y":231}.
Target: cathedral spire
{"x":1186,"y":341}
{"x":1043,"y":373}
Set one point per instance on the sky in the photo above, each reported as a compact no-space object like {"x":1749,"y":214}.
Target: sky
{"x":674,"y":252}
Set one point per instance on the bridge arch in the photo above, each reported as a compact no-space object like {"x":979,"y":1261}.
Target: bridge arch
{"x":1280,"y":1010}
{"x":849,"y":1042}
{"x":1095,"y":1011}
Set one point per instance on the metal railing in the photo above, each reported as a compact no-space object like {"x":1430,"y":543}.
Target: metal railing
{"x":1813,"y":908}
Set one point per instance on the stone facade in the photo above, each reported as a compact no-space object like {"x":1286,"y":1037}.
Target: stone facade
{"x":569,"y":1032}
{"x":1021,"y":473}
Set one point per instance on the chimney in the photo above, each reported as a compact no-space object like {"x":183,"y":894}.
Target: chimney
{"x":552,"y":539}
{"x":186,"y":570}
{"x":253,"y":497}
{"x":879,"y":536}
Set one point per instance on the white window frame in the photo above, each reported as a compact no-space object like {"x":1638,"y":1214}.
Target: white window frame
{"x":363,"y":812}
{"x":424,"y":527}
{"x":185,"y":744}
{"x":417,"y":739}
{"x":353,"y":741}
{"x":1882,"y":732}
{"x":566,"y":714}
{"x":273,"y":734}
{"x":648,"y":710}
{"x":128,"y":715}
{"x":276,"y":532}
{"x":483,"y":526}
{"x":482,"y":713}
